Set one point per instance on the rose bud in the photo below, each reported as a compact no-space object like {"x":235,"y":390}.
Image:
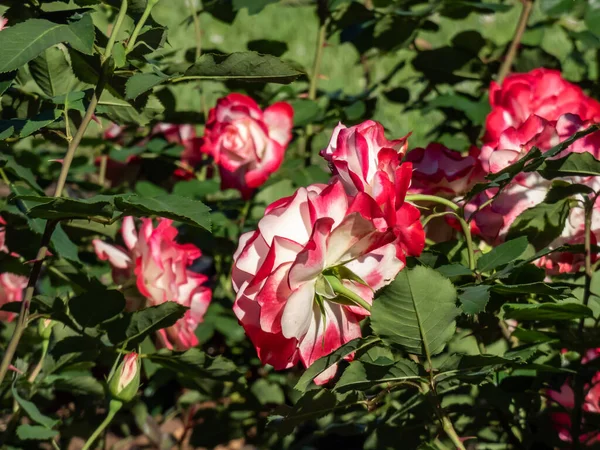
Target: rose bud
{"x":125,"y":381}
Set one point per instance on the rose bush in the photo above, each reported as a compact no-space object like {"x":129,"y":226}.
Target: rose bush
{"x":399,"y":246}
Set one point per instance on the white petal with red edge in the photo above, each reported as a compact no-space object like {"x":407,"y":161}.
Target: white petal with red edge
{"x":298,"y":312}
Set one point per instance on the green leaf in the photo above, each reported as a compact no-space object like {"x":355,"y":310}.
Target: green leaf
{"x":268,"y":393}
{"x":93,"y":308}
{"x":362,"y":376}
{"x":63,"y":208}
{"x":574,"y":164}
{"x":546,"y":311}
{"x":194,"y":363}
{"x":531,"y":288}
{"x":244,"y":66}
{"x":416,"y":311}
{"x":182,"y":209}
{"x":312,"y":405}
{"x":79,"y":385}
{"x":143,"y":82}
{"x":32,"y":411}
{"x":502,"y":254}
{"x":24,"y":41}
{"x":556,"y":7}
{"x":541,"y":224}
{"x":40,"y":121}
{"x":52,"y":72}
{"x":454,"y":270}
{"x":135,"y":326}
{"x":324,"y":363}
{"x":239,"y":66}
{"x":23,"y":173}
{"x":474,"y":298}
{"x":27,"y":432}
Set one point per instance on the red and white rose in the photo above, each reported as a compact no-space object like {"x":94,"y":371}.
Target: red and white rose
{"x":444,"y":172}
{"x":303,"y":275}
{"x":246,"y":142}
{"x":153,"y":269}
{"x":542,"y":92}
{"x":366,"y":162}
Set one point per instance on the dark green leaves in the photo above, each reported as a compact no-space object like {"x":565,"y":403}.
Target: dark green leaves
{"x":182,"y":209}
{"x":362,"y":375}
{"x":246,"y":66}
{"x":502,"y":254}
{"x":542,"y":223}
{"x":241,"y":66}
{"x":474,"y":298}
{"x":325,"y":362}
{"x":94,"y":307}
{"x":546,"y":311}
{"x":416,"y":311}
{"x":574,"y":164}
{"x":25,"y":41}
{"x":32,"y":411}
{"x":134,"y":327}
{"x":196,"y":364}
{"x":35,"y":432}
{"x":52,"y":72}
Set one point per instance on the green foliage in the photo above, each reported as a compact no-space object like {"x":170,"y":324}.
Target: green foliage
{"x":416,"y":311}
{"x":480,"y":348}
{"x":27,"y":40}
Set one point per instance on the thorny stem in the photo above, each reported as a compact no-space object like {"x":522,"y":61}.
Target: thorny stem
{"x":51,"y":225}
{"x":314,"y":77}
{"x":456,"y":209}
{"x":514,"y":45}
{"x":578,"y":384}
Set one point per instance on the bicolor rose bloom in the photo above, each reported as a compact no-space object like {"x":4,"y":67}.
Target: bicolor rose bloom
{"x":526,"y":190}
{"x":11,"y":285}
{"x":304,"y":277}
{"x":444,"y":172}
{"x":366,"y":162}
{"x":566,"y":399}
{"x":542,"y":92}
{"x":153,"y":269}
{"x":247,"y":143}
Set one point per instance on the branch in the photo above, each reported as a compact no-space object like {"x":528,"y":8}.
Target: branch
{"x":512,"y":50}
{"x":62,"y":178}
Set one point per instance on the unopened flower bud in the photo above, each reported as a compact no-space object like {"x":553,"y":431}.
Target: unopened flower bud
{"x":125,"y":381}
{"x":45,"y":328}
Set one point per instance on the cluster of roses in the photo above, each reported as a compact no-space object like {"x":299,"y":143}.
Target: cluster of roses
{"x":306,"y":277}
{"x":536,"y":109}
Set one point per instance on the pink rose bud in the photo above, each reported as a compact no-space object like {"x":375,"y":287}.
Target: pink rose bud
{"x":125,"y":381}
